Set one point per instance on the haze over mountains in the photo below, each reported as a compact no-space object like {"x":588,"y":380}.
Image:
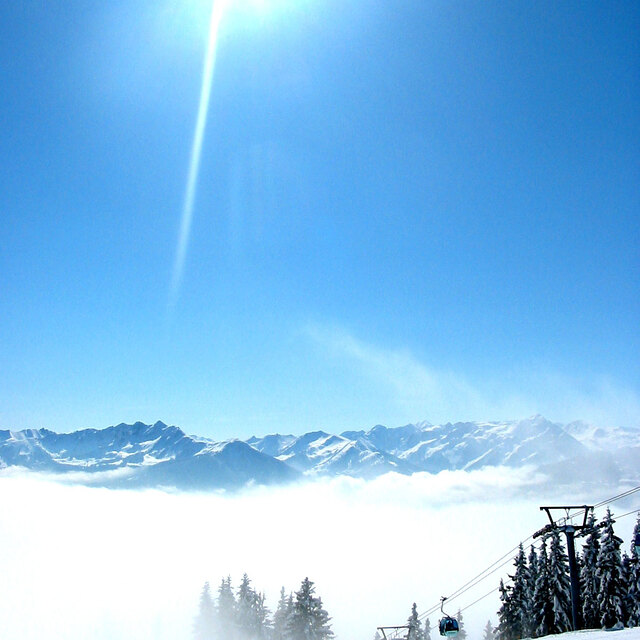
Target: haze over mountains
{"x":159,"y":455}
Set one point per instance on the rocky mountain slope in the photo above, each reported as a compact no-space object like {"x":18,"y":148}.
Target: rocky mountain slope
{"x":161,"y":455}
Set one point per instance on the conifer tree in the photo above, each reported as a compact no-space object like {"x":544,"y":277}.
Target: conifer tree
{"x":506,"y":615}
{"x":559,"y":584}
{"x":226,"y":608}
{"x":589,"y":587}
{"x":281,"y":616}
{"x":542,"y":601}
{"x":608,"y":573}
{"x":308,"y":619}
{"x":427,"y":629}
{"x":462,"y":634}
{"x":519,"y":595}
{"x":415,"y":628}
{"x":204,"y":627}
{"x":290,"y":605}
{"x":625,"y":576}
{"x":633,"y":584}
{"x":488,"y":633}
{"x":263,"y":623}
{"x":245,"y":602}
{"x":532,"y":576}
{"x":251,"y":612}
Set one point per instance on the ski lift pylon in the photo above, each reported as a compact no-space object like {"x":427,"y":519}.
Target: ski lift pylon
{"x":448,"y":625}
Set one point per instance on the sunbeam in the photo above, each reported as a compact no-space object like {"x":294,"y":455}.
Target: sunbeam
{"x":196,"y":151}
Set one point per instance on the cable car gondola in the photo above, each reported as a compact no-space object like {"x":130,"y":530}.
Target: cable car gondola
{"x":448,"y":625}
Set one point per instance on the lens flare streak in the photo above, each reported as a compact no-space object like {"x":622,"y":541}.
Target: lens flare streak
{"x":196,"y":151}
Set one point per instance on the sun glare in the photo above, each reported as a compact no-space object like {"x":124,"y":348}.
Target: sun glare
{"x":217,"y":11}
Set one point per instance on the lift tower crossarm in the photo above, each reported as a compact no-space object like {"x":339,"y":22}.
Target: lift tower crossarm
{"x":395,"y":628}
{"x":567,"y":509}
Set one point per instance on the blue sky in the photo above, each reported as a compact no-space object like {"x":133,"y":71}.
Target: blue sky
{"x":404,"y":211}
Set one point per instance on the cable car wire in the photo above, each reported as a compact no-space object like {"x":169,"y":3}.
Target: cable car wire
{"x":501,"y":562}
{"x":624,"y":515}
{"x":508,"y":557}
{"x":480,"y":598}
{"x":618,"y":497}
{"x":624,"y":494}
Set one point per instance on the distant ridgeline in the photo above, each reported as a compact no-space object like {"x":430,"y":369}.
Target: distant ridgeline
{"x":158,"y":455}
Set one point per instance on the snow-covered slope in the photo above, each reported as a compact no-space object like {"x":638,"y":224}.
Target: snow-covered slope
{"x":600,"y":439}
{"x":471,"y":445}
{"x":153,"y":455}
{"x":597,"y":634}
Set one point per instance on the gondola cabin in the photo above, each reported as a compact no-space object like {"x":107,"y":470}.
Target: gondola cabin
{"x":449,"y":626}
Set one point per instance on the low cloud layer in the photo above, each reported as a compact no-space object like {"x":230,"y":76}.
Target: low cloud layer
{"x":84,"y":562}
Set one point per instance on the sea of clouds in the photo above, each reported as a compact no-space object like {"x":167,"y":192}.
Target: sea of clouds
{"x":80,"y":562}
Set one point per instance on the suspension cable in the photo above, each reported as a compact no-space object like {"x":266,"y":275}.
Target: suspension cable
{"x":501,"y":562}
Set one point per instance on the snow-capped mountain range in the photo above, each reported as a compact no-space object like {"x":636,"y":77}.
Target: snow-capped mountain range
{"x":161,"y":455}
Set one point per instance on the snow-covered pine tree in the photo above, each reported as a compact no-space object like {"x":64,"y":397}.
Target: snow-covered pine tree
{"x":245,"y":609}
{"x":308,"y":619}
{"x":415,"y":628}
{"x":532,"y":576}
{"x":627,"y":599}
{"x":204,"y":627}
{"x":226,"y":608}
{"x":462,"y":634}
{"x":519,"y":595}
{"x":542,"y":601}
{"x":634,"y":581}
{"x":488,"y":633}
{"x":281,"y":616}
{"x":608,"y":573}
{"x":559,"y":584}
{"x":589,"y":586}
{"x":263,"y":622}
{"x":290,"y":605}
{"x":506,"y":615}
{"x":427,"y":629}
{"x":251,"y":612}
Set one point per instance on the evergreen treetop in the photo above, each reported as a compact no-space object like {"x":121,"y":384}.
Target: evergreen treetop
{"x":204,"y":627}
{"x":609,"y":575}
{"x":488,"y":633}
{"x":308,"y":619}
{"x":415,"y":631}
{"x":427,"y":629}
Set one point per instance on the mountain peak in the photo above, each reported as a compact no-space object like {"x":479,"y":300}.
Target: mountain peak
{"x":162,"y":455}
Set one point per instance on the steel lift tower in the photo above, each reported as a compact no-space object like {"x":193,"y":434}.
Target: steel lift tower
{"x":565,"y":524}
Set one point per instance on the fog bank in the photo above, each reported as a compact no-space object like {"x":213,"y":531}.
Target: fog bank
{"x":82,"y":562}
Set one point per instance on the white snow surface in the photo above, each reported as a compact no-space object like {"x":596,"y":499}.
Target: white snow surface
{"x":591,"y":634}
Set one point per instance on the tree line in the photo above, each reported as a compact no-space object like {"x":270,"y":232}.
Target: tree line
{"x":244,"y":615}
{"x":538,"y":600}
